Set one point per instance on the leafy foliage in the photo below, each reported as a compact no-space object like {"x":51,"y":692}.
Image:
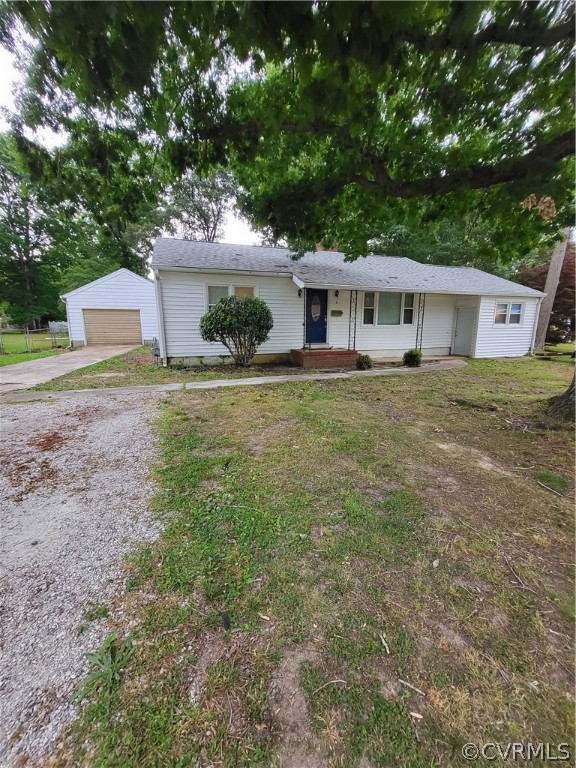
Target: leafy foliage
{"x":35,"y":235}
{"x":106,"y":666}
{"x":242,"y":325}
{"x":364,"y":362}
{"x":198,"y":206}
{"x":338,"y":119}
{"x":412,"y":358}
{"x":562,"y":325}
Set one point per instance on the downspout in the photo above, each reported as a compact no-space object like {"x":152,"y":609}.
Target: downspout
{"x":65,"y":300}
{"x":535,"y":328}
{"x":160,"y":318}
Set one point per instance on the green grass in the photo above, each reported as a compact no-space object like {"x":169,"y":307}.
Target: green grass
{"x":310,"y":528}
{"x":137,"y":368}
{"x":552,"y":480}
{"x":14,"y":348}
{"x":24,"y":357}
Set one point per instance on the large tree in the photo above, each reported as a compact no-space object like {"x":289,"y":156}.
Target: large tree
{"x":197,"y":207}
{"x":338,"y":118}
{"x":35,"y":235}
{"x":562,"y":323}
{"x":339,"y":115}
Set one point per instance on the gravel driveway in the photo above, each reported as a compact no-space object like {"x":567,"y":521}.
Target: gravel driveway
{"x":75,"y":487}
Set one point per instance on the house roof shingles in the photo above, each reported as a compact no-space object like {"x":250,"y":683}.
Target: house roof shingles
{"x":328,"y":269}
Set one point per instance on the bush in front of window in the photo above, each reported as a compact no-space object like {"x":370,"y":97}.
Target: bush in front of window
{"x":412,"y":358}
{"x":242,"y":325}
{"x":364,"y":362}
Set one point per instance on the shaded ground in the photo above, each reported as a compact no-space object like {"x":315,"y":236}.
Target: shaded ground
{"x":138,"y":368}
{"x":355,"y":573}
{"x":74,"y":500}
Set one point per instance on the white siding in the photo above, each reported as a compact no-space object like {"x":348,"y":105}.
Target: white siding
{"x":504,"y":340}
{"x":394,"y":340}
{"x":184,"y":302}
{"x":183,"y":296}
{"x":121,"y":290}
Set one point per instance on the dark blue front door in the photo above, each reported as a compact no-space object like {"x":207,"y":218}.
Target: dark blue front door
{"x":316,"y":316}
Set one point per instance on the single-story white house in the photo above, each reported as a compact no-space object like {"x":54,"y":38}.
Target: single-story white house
{"x":119,"y":308}
{"x":325,"y":307}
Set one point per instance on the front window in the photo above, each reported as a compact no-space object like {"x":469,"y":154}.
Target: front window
{"x":215,"y":293}
{"x":408,"y":317}
{"x":508,"y":314}
{"x":243,"y":291}
{"x":389,"y":305}
{"x":388,"y":308}
{"x":369,"y":299}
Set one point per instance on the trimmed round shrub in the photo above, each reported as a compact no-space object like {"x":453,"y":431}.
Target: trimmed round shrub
{"x":412,"y":358}
{"x":240,"y":324}
{"x":364,"y":362}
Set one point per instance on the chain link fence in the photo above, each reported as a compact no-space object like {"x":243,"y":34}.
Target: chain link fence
{"x":19,"y":340}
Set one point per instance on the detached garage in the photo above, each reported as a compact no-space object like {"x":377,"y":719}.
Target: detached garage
{"x":119,"y":308}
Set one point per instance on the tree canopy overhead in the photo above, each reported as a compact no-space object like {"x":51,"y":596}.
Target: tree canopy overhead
{"x":338,"y":118}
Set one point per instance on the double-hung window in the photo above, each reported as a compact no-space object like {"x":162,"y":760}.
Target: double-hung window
{"x":369,"y":304}
{"x":508,"y":313}
{"x":215,"y":293}
{"x":388,"y":308}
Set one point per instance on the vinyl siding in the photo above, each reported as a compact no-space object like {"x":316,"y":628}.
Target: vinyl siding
{"x":504,"y":340}
{"x":183,"y":297}
{"x":394,"y":340}
{"x":121,"y":291}
{"x":184,"y":302}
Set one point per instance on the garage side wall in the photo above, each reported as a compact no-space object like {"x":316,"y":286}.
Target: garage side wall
{"x":184,"y":301}
{"x":507,"y":340}
{"x":122,"y":291}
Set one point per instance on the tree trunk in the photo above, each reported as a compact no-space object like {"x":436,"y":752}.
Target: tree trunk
{"x":562,"y":406}
{"x":552,"y":280}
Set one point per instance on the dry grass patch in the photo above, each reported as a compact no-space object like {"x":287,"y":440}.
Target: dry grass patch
{"x":359,"y":573}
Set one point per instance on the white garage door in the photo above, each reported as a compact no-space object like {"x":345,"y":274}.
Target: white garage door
{"x":112,"y":326}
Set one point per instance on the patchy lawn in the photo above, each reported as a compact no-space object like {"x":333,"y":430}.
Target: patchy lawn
{"x":354,"y":573}
{"x":138,"y":368}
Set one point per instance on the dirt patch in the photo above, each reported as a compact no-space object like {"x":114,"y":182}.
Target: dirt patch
{"x":298,"y":746}
{"x":479,"y":458}
{"x":48,"y":441}
{"x":213,"y":650}
{"x":391,"y":687}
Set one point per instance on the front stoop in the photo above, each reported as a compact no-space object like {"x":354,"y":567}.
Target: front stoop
{"x":324,"y":358}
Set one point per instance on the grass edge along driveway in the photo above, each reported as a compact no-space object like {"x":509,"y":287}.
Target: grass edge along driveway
{"x":360,"y":573}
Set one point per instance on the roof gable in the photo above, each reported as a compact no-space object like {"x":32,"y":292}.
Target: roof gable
{"x":105,"y":279}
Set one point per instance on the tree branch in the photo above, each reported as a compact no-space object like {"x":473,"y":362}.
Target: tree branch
{"x":539,"y":160}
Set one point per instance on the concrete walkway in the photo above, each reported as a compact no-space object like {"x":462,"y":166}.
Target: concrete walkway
{"x":33,"y":372}
{"x":440,"y":365}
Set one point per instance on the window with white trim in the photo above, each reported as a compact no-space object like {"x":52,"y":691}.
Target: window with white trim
{"x":369,"y":304}
{"x":388,"y":308}
{"x":508,"y":313}
{"x":215,"y":293}
{"x":243,"y":291}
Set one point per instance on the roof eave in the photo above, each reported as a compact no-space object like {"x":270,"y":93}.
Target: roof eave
{"x":219,"y":271}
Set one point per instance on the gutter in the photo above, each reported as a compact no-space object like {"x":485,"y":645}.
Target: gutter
{"x":216,"y":271}
{"x":160,"y":318}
